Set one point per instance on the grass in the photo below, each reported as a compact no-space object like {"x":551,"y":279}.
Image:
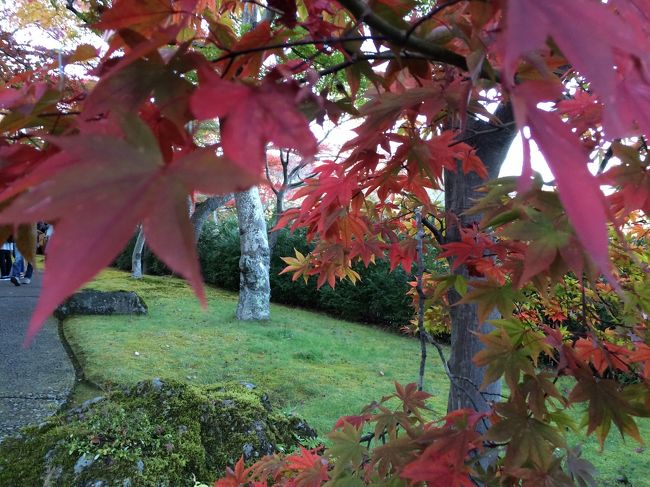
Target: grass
{"x":310,"y":364}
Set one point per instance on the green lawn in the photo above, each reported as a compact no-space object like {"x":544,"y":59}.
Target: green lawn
{"x":310,"y":364}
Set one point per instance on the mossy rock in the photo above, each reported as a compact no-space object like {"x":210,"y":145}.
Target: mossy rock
{"x":158,"y":433}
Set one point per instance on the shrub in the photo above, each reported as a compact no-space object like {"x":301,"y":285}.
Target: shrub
{"x":380,"y":298}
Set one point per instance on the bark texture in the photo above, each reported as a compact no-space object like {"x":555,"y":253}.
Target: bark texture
{"x":136,"y":257}
{"x":254,"y":286}
{"x":460,"y":192}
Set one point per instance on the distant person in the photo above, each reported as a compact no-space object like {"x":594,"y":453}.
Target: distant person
{"x":5,"y":258}
{"x":41,"y":237}
{"x":16,"y":270}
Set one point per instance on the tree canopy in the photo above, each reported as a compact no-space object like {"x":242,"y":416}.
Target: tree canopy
{"x":100,"y":152}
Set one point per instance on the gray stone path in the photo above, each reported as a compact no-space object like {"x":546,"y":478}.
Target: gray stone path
{"x":34,"y":381}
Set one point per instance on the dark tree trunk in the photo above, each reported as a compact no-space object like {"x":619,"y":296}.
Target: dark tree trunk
{"x":460,"y":192}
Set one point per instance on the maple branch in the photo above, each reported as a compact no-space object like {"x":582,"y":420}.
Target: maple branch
{"x":403,"y":38}
{"x":368,"y":57}
{"x":69,"y":5}
{"x":287,"y":45}
{"x":268,"y":174}
{"x":421,"y":296}
{"x":430,"y":15}
{"x":497,"y":128}
{"x":204,"y":208}
{"x":453,"y":378}
{"x":59,"y":114}
{"x":603,"y":164}
{"x":436,"y":233}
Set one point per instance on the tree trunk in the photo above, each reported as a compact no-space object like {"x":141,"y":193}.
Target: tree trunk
{"x":203,"y":210}
{"x":460,"y":192}
{"x":279,"y":209}
{"x":136,"y":257}
{"x":254,"y":286}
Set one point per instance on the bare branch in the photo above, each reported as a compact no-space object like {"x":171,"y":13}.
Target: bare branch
{"x":429,"y":16}
{"x":403,"y":38}
{"x":436,"y":233}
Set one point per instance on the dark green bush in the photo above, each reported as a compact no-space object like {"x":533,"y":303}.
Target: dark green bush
{"x":379,"y":298}
{"x":150,"y":263}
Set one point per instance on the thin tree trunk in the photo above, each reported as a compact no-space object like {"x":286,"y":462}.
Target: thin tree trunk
{"x":136,"y":257}
{"x":460,"y":193}
{"x":419,"y":236}
{"x":203,"y":210}
{"x":279,"y":209}
{"x":254,"y":286}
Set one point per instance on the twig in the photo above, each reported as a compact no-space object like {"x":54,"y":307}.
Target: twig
{"x":429,"y":16}
{"x":287,"y":45}
{"x":436,"y":233}
{"x":368,"y":57}
{"x":482,"y":132}
{"x":419,"y":236}
{"x":452,"y":378}
{"x":69,"y":5}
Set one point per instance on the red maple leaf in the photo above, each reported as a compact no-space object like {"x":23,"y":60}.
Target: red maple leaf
{"x":252,"y":116}
{"x":602,"y":355}
{"x":578,"y":189}
{"x":235,"y":478}
{"x":357,"y":421}
{"x":443,"y":462}
{"x":311,"y":469}
{"x":614,"y":61}
{"x":97,"y":189}
{"x":145,"y":16}
{"x":288,"y":9}
{"x":583,"y":110}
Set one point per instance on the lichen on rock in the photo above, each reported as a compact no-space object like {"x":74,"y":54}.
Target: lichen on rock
{"x":157,"y":433}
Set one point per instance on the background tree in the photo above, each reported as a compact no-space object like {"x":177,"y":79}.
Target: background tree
{"x":136,"y":256}
{"x":254,"y":286}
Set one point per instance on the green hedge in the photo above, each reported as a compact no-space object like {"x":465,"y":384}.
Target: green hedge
{"x":379,"y":298}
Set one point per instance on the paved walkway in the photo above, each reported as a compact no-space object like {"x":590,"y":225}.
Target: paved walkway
{"x":34,"y":381}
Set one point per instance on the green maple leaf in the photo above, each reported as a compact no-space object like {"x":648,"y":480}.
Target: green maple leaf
{"x":528,"y":438}
{"x":345,"y":481}
{"x":412,"y":399}
{"x":531,"y":340}
{"x":607,"y":404}
{"x":489,"y":295}
{"x":346,"y":448}
{"x":545,"y":236}
{"x":395,"y":454}
{"x":501,"y":356}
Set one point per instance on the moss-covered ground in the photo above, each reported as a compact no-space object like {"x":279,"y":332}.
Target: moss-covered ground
{"x":313,"y":365}
{"x":158,"y":433}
